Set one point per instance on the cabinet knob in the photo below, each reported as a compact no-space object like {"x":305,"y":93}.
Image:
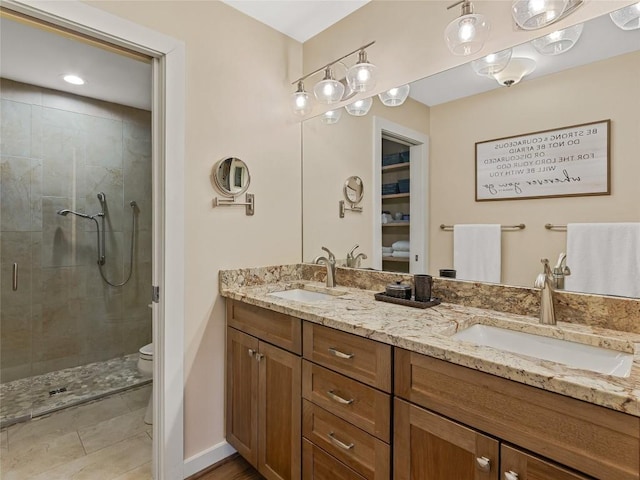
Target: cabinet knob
{"x":340,"y":354}
{"x":337,"y":398}
{"x":338,"y":443}
{"x":259,"y":356}
{"x":251,"y":352}
{"x":510,"y":475}
{"x":483,"y":464}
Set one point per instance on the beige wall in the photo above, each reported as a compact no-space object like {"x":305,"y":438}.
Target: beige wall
{"x":602,"y":90}
{"x":409,"y":36}
{"x":237,"y":93}
{"x":332,"y":153}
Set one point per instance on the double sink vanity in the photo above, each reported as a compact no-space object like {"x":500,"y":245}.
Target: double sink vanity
{"x":329,"y":383}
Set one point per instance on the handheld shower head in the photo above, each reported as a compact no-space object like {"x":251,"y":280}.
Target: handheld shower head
{"x":66,"y":212}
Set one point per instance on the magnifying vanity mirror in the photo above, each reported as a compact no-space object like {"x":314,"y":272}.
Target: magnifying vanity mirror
{"x":353,"y":190}
{"x":231,"y":176}
{"x":594,"y":81}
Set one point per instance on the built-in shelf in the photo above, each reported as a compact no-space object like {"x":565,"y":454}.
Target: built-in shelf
{"x":396,"y":259}
{"x":396,"y":195}
{"x":397,"y":166}
{"x":396,"y":224}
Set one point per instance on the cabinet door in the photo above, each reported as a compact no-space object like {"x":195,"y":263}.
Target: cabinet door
{"x":517,"y":465}
{"x":279,"y":413}
{"x":430,"y":447}
{"x":242,"y":394}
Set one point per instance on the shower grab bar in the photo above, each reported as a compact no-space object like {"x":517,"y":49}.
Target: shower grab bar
{"x":15,"y":277}
{"x":520,"y":226}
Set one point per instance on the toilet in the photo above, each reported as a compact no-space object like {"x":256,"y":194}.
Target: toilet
{"x":145,"y":367}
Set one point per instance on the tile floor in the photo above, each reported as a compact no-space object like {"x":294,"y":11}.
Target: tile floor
{"x":103,"y":440}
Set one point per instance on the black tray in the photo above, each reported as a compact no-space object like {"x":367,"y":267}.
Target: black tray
{"x":383,"y":297}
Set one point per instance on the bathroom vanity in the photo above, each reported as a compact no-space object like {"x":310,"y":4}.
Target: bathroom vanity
{"x":337,"y":385}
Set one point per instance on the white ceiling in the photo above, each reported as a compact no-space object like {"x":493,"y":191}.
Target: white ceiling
{"x":299,"y":19}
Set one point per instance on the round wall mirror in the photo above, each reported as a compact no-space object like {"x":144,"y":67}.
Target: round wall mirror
{"x":353,"y":190}
{"x":231,"y":176}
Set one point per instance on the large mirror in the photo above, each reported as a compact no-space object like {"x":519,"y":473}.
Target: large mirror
{"x":596,"y":80}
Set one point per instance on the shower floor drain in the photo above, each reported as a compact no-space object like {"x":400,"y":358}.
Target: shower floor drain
{"x":57,"y":390}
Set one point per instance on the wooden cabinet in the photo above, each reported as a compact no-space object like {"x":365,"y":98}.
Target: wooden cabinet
{"x":518,"y":465}
{"x":430,"y":447}
{"x":346,"y":405}
{"x":263,"y":414}
{"x":591,"y":439}
{"x":318,"y":465}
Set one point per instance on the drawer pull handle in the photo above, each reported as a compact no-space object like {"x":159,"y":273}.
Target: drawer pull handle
{"x":14,"y":277}
{"x":338,"y":443}
{"x":339,"y":354}
{"x":338,"y":398}
{"x":510,"y":475}
{"x":483,"y":464}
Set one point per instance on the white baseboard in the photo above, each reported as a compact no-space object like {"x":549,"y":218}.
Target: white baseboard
{"x":205,"y":459}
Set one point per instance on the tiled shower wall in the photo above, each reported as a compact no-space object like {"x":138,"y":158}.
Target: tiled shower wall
{"x":58,"y":151}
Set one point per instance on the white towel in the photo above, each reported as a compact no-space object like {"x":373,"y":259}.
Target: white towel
{"x":477,"y":252}
{"x":401,"y":246}
{"x":388,"y":250}
{"x":604,"y":258}
{"x":400,"y":254}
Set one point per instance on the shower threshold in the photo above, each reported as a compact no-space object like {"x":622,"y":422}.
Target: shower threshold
{"x":21,"y":400}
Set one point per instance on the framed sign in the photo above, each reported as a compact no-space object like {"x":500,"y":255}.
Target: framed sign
{"x":570,"y":161}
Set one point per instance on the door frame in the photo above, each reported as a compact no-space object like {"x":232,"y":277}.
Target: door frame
{"x":419,"y":192}
{"x":168,"y":130}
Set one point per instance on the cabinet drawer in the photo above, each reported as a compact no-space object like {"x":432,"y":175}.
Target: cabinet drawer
{"x":357,"y":357}
{"x":276,"y":328}
{"x":589,"y":438}
{"x":359,"y":404}
{"x":364,"y":453}
{"x":528,"y":467}
{"x":318,"y":465}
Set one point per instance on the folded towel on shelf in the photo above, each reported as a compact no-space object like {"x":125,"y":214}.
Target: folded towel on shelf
{"x":400,"y":254}
{"x":477,"y":252}
{"x":401,"y":246}
{"x":604,"y":258}
{"x":387,"y":250}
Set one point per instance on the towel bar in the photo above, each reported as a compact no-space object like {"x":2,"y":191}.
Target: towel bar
{"x":520,"y":226}
{"x":560,"y":228}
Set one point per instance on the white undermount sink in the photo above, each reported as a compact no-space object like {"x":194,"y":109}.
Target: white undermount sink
{"x":306,"y":295}
{"x":572,"y":354}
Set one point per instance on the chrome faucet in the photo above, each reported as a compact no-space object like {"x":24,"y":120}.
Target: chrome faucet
{"x":545,"y":283}
{"x":560,"y":271}
{"x":354,"y":262}
{"x":330,"y":262}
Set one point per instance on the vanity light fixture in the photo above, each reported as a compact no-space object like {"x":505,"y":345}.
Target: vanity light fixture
{"x":362,"y":76}
{"x":394,"y":97}
{"x":331,"y":117}
{"x":627,"y":18}
{"x":360,"y":107}
{"x":359,"y":78}
{"x":535,"y":14}
{"x":301,"y":104}
{"x":559,"y":41}
{"x":328,"y":90}
{"x":492,"y":63}
{"x":514,"y":72}
{"x":466,"y":34}
{"x":73,"y":79}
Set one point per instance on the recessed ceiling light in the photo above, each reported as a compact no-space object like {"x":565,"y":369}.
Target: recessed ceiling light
{"x":73,"y":79}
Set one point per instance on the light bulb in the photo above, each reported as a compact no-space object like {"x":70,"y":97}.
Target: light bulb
{"x":301,"y":104}
{"x":73,"y":79}
{"x":328,"y":90}
{"x":361,"y":77}
{"x":467,"y":31}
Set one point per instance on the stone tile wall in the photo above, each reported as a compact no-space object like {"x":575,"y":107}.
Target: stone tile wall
{"x":58,"y":151}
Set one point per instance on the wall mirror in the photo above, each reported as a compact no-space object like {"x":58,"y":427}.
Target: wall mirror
{"x":596,"y":80}
{"x":353,"y":190}
{"x":231,"y":176}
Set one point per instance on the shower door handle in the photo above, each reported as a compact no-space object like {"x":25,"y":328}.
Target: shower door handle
{"x":15,"y":277}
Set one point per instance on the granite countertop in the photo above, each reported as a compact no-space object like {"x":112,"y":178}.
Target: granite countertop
{"x":428,"y":331}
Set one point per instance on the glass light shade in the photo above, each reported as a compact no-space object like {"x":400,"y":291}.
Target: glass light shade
{"x":362,"y":76}
{"x":331,"y":117}
{"x":359,"y":107}
{"x":559,"y":41}
{"x":534,"y":14}
{"x":300,"y":102}
{"x":328,"y":90}
{"x":466,"y":34}
{"x":627,"y":18}
{"x":394,"y":97}
{"x":514,"y":72}
{"x":493,"y":63}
